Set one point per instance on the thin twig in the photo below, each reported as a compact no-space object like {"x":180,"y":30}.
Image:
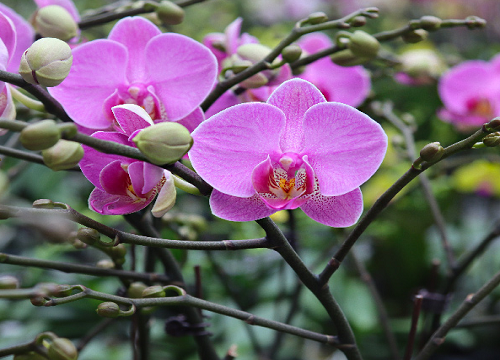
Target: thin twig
{"x":417,"y":306}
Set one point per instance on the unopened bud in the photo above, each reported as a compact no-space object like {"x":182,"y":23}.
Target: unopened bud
{"x":164,"y":143}
{"x":54,"y":21}
{"x":493,"y":125}
{"x":62,"y":349}
{"x":8,"y":282}
{"x":363,"y":44}
{"x":88,"y":236}
{"x":291,"y":53}
{"x":166,"y":197}
{"x":170,"y":13}
{"x":62,"y":291}
{"x":240,"y":65}
{"x":135,"y":290}
{"x":475,"y":22}
{"x":492,"y":140}
{"x":78,"y":244}
{"x":40,"y":135}
{"x":432,"y":152}
{"x":347,"y":58}
{"x":316,"y":18}
{"x":38,"y":300}
{"x":43,"y":204}
{"x":63,"y":155}
{"x":108,"y":309}
{"x":358,"y":21}
{"x":253,"y":52}
{"x":430,"y":23}
{"x":415,"y":36}
{"x":153,"y":292}
{"x":47,"y":62}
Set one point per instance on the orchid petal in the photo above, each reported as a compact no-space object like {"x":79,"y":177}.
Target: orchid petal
{"x":131,"y":117}
{"x":335,"y":211}
{"x":189,"y":77}
{"x":91,"y":81}
{"x":344,"y":146}
{"x":109,"y":204}
{"x":227,"y":162}
{"x":234,"y":208}
{"x":134,"y":33}
{"x":114,"y":179}
{"x":7,"y":37}
{"x":166,"y":197}
{"x":294,"y":97}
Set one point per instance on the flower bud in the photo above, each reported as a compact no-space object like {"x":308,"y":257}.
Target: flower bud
{"x":63,"y":155}
{"x":253,"y":52}
{"x":430,"y":23}
{"x":43,"y":204}
{"x":358,"y":21}
{"x":108,"y":309}
{"x":240,"y":65}
{"x":38,"y":301}
{"x":40,"y":135}
{"x":54,"y":21}
{"x":47,"y":62}
{"x":135,"y":290}
{"x":88,"y":235}
{"x":78,"y":244}
{"x":475,"y":22}
{"x":164,"y":143}
{"x":118,"y":251}
{"x":316,"y":18}
{"x":8,"y":282}
{"x":105,"y":264}
{"x":363,"y":44}
{"x":347,"y":58}
{"x":492,"y":140}
{"x":153,"y":292}
{"x":169,"y":13}
{"x":415,"y":36}
{"x":493,"y":125}
{"x":62,"y":349}
{"x":291,"y":53}
{"x":432,"y":152}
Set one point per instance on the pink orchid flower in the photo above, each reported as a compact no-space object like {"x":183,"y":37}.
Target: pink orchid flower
{"x":15,"y":37}
{"x":296,"y":150}
{"x":470,"y":93}
{"x":348,"y":85}
{"x":125,"y":185}
{"x":169,"y":75}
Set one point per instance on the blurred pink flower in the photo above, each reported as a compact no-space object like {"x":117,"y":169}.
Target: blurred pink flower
{"x":169,"y":75}
{"x":348,"y":85}
{"x":16,"y":35}
{"x":124,"y":185}
{"x":296,"y":150}
{"x":470,"y":93}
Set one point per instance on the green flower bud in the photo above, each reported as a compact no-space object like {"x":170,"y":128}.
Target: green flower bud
{"x":105,"y":264}
{"x":79,"y":245}
{"x":291,"y":53}
{"x":47,"y":62}
{"x":475,"y":22}
{"x":62,"y":291}
{"x":255,"y":81}
{"x":62,"y":349}
{"x":153,"y":292}
{"x":135,"y":290}
{"x":88,"y":235}
{"x":316,"y":18}
{"x":164,"y":143}
{"x":43,"y":204}
{"x":169,"y":13}
{"x":347,"y":58}
{"x":493,"y":125}
{"x":415,"y":36}
{"x":492,"y":140}
{"x":253,"y":52}
{"x":240,"y":65}
{"x":430,"y":23}
{"x":108,"y":309}
{"x":166,"y":198}
{"x":8,"y":282}
{"x":29,"y":356}
{"x":54,"y":21}
{"x":63,"y":155}
{"x":363,"y":44}
{"x":432,"y":152}
{"x":40,"y":135}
